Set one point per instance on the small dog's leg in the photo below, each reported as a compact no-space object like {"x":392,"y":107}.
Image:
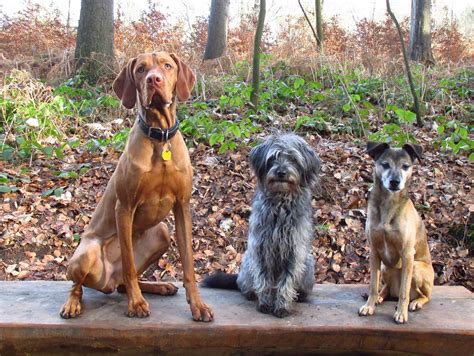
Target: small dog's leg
{"x":423,"y":276}
{"x":369,"y":307}
{"x":384,"y":292}
{"x":401,"y":314}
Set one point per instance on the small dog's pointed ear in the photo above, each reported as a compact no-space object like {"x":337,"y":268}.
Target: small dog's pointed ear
{"x":124,"y":85}
{"x":375,"y":149}
{"x":415,"y":151}
{"x":186,"y":79}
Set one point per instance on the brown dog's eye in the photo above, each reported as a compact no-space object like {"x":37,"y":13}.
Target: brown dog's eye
{"x":405,"y":167}
{"x":167,"y":66}
{"x":141,"y":69}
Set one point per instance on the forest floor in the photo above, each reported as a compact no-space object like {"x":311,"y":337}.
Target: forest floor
{"x":41,"y":222}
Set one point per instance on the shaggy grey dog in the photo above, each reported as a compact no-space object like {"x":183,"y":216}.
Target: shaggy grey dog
{"x":278,"y":267}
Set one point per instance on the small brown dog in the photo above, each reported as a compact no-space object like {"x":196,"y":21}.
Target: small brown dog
{"x":396,"y":234}
{"x":153,"y":176}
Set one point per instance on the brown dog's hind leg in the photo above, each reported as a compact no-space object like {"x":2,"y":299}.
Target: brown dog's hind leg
{"x":148,"y":249}
{"x":159,"y":288}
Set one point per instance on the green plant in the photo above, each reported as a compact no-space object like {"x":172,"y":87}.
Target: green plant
{"x":455,"y":136}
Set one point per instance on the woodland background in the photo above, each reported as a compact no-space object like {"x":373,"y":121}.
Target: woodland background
{"x":61,"y":136}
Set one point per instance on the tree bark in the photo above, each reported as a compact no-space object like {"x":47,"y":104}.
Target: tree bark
{"x":217,"y":32}
{"x":420,"y":32}
{"x":416,"y":103}
{"x":95,"y":38}
{"x":256,"y":54}
{"x":319,"y":24}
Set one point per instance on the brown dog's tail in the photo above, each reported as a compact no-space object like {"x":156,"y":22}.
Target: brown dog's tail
{"x":220,"y":280}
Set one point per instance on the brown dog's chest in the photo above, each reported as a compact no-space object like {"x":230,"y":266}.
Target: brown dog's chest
{"x":157,"y":193}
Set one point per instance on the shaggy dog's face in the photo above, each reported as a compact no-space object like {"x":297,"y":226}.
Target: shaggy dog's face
{"x":285,"y":164}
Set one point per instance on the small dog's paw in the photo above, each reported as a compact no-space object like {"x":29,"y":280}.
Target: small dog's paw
{"x":264,"y":308}
{"x":201,"y":312}
{"x":366,"y":310}
{"x":71,"y":308}
{"x":415,"y":305}
{"x":400,"y":316}
{"x":138,"y":308}
{"x":380,"y":299}
{"x":281,"y":312}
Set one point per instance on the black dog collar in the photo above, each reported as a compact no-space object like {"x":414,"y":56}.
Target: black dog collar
{"x":156,"y":132}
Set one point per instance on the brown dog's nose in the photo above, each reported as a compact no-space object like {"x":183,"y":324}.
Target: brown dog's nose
{"x":154,"y":79}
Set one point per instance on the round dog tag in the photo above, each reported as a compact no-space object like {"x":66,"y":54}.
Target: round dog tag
{"x":166,"y":155}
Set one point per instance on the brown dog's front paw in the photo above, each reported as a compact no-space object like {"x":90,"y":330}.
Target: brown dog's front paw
{"x":202,"y":312}
{"x":400,"y":316}
{"x":366,"y":310}
{"x":138,"y":308}
{"x":71,"y":308}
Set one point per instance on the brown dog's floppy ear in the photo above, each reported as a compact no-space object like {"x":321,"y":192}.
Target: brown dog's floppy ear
{"x":124,"y":85}
{"x":186,"y":79}
{"x":375,"y":149}
{"x":414,"y":151}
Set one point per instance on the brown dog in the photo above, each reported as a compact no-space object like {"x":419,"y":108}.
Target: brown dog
{"x":396,"y":234}
{"x":153,"y":176}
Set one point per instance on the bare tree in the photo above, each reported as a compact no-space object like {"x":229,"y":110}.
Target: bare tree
{"x":95,"y":37}
{"x":416,"y":102}
{"x":256,"y":54}
{"x":318,"y":32}
{"x":319,"y":24}
{"x":217,"y":33}
{"x":420,"y":32}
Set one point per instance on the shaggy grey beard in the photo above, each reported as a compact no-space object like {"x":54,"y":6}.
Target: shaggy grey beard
{"x":278,"y":266}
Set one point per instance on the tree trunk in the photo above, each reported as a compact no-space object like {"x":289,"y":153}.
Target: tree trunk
{"x":217,"y":32}
{"x":319,"y":24}
{"x":256,"y":54}
{"x":95,"y":38}
{"x":416,"y":102}
{"x":420,"y":32}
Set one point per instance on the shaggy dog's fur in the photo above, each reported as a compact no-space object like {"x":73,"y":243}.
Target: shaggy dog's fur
{"x":278,"y":266}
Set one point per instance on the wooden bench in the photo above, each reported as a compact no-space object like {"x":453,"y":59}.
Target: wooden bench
{"x":327,"y":324}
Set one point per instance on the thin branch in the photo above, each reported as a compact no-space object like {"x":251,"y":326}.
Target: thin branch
{"x":416,"y":103}
{"x":309,"y":22}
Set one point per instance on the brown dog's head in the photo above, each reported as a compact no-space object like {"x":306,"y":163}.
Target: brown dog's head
{"x":393,"y":166}
{"x":155,"y":78}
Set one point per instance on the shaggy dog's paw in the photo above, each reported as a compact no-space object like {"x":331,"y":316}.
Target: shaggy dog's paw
{"x":281,"y":312}
{"x":264,"y":308}
{"x":302,"y":297}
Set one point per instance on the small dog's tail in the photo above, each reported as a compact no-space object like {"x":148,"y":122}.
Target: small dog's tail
{"x":220,"y":280}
